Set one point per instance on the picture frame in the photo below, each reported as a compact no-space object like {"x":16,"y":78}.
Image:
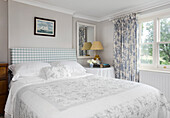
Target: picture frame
{"x":44,"y":27}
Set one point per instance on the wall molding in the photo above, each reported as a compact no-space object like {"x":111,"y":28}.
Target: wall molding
{"x":137,"y":9}
{"x":86,"y":17}
{"x":46,"y":6}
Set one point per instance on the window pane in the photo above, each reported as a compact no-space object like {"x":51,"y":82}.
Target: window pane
{"x":164,"y":52}
{"x":147,"y":32}
{"x":146,"y":56}
{"x":165,"y":29}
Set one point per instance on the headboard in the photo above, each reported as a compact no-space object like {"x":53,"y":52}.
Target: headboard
{"x":20,"y":55}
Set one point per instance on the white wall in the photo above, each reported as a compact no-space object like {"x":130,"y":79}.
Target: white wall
{"x":3,"y":31}
{"x":105,"y":35}
{"x":21,"y":30}
{"x":21,"y":27}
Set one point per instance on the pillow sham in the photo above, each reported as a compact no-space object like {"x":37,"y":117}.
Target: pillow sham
{"x":73,"y":66}
{"x":55,"y":72}
{"x":27,"y":69}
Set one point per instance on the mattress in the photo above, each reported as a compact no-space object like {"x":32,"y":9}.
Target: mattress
{"x":87,"y":96}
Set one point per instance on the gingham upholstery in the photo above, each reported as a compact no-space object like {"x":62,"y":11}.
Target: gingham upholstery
{"x":20,"y":55}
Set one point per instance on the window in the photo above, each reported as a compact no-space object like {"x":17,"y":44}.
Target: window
{"x":164,"y":43}
{"x":154,"y":43}
{"x":146,"y":47}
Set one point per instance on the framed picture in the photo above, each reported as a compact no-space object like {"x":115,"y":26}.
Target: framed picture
{"x":44,"y":27}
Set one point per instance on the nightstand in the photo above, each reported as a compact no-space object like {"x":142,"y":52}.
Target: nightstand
{"x":103,"y":72}
{"x":3,"y":86}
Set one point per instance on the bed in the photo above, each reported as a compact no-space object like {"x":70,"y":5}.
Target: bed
{"x":69,"y":92}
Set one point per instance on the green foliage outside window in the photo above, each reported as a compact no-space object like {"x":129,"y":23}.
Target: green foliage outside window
{"x":147,"y":35}
{"x":164,"y":49}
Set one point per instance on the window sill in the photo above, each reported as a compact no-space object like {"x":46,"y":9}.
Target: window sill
{"x":155,"y":70}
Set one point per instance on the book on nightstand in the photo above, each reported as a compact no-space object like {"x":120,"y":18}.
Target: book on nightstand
{"x":101,"y":65}
{"x":106,"y":65}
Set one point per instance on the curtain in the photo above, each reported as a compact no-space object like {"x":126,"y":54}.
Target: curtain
{"x":82,"y":40}
{"x":125,"y":47}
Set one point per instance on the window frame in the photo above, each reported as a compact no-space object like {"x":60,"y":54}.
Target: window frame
{"x":161,"y":42}
{"x":156,"y":42}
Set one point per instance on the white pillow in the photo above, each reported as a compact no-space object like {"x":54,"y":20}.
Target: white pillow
{"x":55,"y":72}
{"x":27,"y":69}
{"x":75,"y":68}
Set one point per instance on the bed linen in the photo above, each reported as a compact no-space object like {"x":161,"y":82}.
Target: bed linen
{"x":86,"y":96}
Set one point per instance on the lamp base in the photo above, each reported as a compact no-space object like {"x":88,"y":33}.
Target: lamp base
{"x":97,"y":57}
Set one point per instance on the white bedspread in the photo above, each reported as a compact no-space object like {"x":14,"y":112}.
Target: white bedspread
{"x":84,"y":97}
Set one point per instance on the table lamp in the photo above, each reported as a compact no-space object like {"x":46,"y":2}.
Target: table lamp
{"x":86,"y":46}
{"x":97,"y":45}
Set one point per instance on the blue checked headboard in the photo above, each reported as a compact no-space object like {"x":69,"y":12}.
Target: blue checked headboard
{"x":20,"y":55}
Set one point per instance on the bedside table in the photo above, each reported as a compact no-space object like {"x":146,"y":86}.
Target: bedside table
{"x":3,"y":86}
{"x":103,"y":72}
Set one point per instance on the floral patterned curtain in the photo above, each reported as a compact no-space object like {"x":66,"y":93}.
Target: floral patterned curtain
{"x":125,"y":47}
{"x":82,"y":40}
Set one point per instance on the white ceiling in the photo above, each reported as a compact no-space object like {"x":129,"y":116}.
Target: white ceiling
{"x":99,"y":9}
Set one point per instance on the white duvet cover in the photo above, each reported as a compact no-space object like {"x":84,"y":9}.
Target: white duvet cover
{"x":84,"y":97}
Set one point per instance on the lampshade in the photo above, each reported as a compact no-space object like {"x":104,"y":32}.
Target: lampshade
{"x":87,"y":46}
{"x":97,"y":45}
